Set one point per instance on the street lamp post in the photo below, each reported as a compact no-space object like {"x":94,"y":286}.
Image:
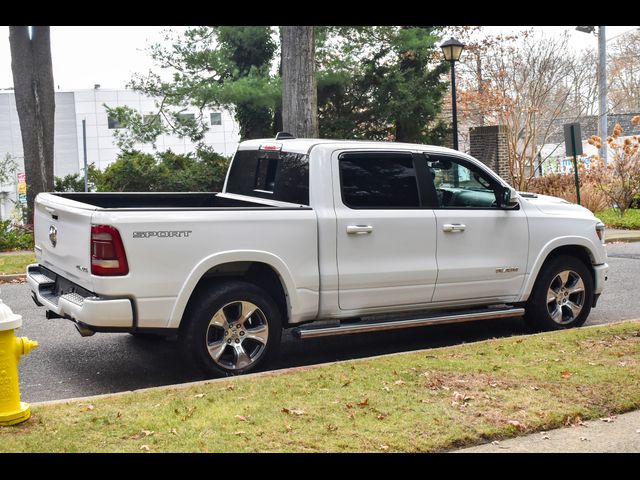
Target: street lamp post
{"x":452,"y":49}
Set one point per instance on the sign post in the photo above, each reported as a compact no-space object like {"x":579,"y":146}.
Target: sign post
{"x":573,"y":147}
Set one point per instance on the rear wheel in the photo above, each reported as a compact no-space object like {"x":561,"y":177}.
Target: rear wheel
{"x":562,"y":296}
{"x":235,"y":328}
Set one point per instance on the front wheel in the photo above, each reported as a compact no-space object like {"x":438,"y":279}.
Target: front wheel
{"x":235,"y":328}
{"x":562,"y":295}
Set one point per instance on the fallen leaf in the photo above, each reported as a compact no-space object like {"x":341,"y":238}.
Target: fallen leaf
{"x":293,"y":411}
{"x":533,"y":387}
{"x":545,"y":437}
{"x":239,"y":432}
{"x":566,"y":374}
{"x":349,"y":405}
{"x":145,"y":447}
{"x":174,"y":431}
{"x":386,"y":389}
{"x":493,"y":385}
{"x":242,"y":418}
{"x":364,"y":403}
{"x":347,"y":383}
{"x":520,"y":426}
{"x":608,"y":419}
{"x":622,"y":364}
{"x":231,"y":387}
{"x":424,"y":401}
{"x":399,"y":382}
{"x":495,"y":442}
{"x":383,"y":447}
{"x":332,"y":428}
{"x":86,"y":408}
{"x":382,"y":416}
{"x":119,"y":415}
{"x":584,"y":439}
{"x":147,"y":433}
{"x":288,"y":428}
{"x":189,"y":413}
{"x":199,"y":395}
{"x":592,"y":364}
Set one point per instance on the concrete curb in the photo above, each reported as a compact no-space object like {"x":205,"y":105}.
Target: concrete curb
{"x":625,"y":239}
{"x":15,"y":276}
{"x":283,"y":371}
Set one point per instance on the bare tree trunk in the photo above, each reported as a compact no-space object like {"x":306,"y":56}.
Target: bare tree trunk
{"x":35,"y":102}
{"x":299,"y":88}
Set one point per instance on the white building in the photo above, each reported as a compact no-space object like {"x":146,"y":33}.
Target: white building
{"x":72,"y":107}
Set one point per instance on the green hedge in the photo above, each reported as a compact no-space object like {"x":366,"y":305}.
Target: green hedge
{"x":15,"y":237}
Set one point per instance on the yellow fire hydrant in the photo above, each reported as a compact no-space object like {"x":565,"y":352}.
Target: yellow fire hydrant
{"x":12,"y":410}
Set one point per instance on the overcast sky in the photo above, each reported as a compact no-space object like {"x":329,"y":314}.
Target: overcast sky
{"x":85,"y":56}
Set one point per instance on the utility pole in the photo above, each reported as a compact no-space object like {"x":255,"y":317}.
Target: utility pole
{"x":602,"y":85}
{"x":602,"y":91}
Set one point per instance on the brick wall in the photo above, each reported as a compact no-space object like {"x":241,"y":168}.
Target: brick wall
{"x":489,"y":145}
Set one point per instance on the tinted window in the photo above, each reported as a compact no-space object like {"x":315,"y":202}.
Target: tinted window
{"x":378,"y":180}
{"x":275,"y":175}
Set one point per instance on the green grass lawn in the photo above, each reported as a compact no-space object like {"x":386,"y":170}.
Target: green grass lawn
{"x":430,"y":400}
{"x":15,"y":262}
{"x":612,"y":219}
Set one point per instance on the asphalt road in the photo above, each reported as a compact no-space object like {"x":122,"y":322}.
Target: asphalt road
{"x":67,"y":365}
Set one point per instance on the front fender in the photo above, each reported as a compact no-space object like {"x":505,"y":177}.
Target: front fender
{"x":596,"y":253}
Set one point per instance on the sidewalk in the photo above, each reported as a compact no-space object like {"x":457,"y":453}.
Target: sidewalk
{"x":616,"y":434}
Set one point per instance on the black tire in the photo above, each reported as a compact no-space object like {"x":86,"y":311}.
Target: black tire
{"x":544,"y":313}
{"x":199,"y":334}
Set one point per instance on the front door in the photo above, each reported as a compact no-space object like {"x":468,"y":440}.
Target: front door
{"x":386,"y":236}
{"x":482,"y":249}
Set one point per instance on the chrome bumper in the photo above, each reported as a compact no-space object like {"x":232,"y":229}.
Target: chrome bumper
{"x":91,"y":310}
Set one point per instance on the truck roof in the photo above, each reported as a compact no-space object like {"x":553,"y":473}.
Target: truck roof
{"x":304,"y":145}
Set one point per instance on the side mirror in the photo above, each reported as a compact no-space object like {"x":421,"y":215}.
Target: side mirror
{"x":506,"y":198}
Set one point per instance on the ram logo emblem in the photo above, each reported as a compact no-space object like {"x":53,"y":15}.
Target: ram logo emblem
{"x":53,"y":235}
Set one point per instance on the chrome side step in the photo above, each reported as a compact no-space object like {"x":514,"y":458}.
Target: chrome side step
{"x":363,"y":327}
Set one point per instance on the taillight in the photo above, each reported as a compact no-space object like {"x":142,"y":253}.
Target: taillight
{"x":107,"y":252}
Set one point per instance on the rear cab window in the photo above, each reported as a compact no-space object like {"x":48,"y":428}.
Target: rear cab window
{"x":274,"y":175}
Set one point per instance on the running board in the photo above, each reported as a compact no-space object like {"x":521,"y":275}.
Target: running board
{"x":361,"y":327}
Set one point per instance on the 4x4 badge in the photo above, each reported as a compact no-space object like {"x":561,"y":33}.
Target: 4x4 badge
{"x":53,"y":235}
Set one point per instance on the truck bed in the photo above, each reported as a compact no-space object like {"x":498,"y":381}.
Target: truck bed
{"x":139,"y":200}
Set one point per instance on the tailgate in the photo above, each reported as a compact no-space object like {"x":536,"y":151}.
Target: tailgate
{"x":63,"y":237}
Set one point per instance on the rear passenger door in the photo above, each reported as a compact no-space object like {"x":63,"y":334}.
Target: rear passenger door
{"x":386,"y":234}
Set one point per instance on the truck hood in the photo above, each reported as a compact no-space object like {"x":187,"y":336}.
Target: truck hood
{"x":555,"y":206}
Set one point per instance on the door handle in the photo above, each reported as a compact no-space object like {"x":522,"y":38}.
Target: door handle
{"x":359,"y":229}
{"x":453,"y":227}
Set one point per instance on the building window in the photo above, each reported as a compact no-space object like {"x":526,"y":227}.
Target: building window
{"x":216,"y":118}
{"x":187,"y":116}
{"x":152,"y":119}
{"x":113,"y":123}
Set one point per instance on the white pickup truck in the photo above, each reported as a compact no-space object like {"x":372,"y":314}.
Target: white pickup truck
{"x":327,"y":237}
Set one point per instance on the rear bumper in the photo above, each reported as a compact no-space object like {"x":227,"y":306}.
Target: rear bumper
{"x":81,"y":306}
